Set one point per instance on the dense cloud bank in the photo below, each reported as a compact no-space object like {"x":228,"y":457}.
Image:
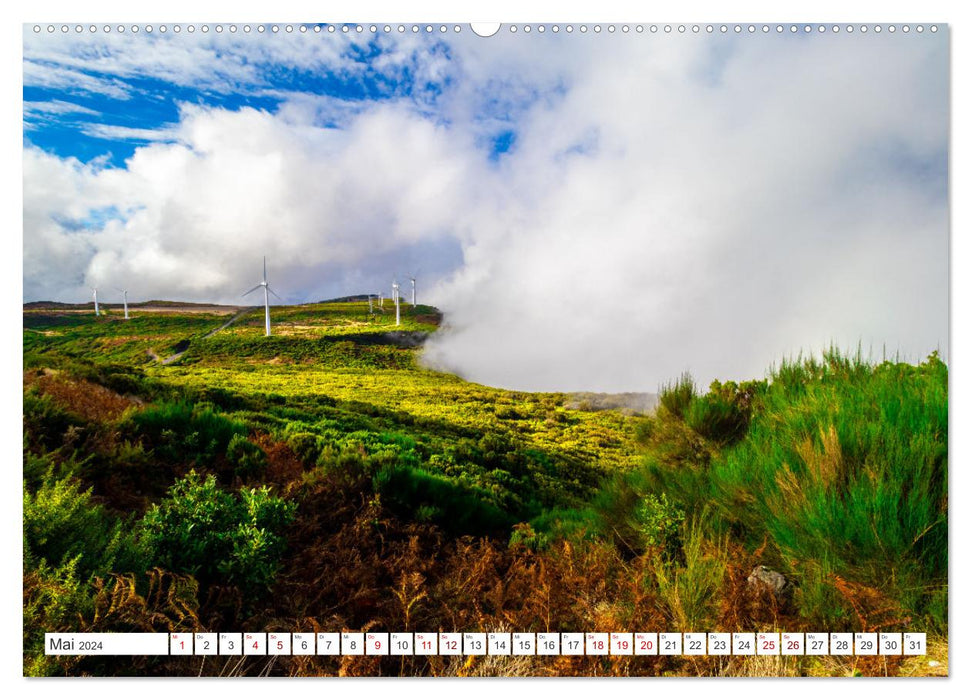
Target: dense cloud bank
{"x":700,"y":203}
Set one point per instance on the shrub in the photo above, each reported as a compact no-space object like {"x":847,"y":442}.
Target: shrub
{"x":183,"y":432}
{"x":644,"y":431}
{"x":45,"y":423}
{"x":120,"y":378}
{"x":55,"y":598}
{"x":203,"y":530}
{"x":306,"y":446}
{"x":723,"y":414}
{"x":660,"y":522}
{"x":677,"y":396}
{"x":689,"y":591}
{"x":247,"y":459}
{"x":555,"y":525}
{"x":62,"y":524}
{"x":415,"y":493}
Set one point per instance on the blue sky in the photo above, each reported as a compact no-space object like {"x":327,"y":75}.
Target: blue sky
{"x":661,"y":182}
{"x":67,"y":119}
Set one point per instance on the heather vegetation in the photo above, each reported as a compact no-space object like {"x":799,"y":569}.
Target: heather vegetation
{"x":323,"y":480}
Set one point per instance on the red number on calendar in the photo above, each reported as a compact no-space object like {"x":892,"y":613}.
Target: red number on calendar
{"x":598,"y":645}
{"x":377,"y":644}
{"x":768,"y":644}
{"x":646,"y":645}
{"x":451,"y":645}
{"x":792,"y":645}
{"x":622,"y":644}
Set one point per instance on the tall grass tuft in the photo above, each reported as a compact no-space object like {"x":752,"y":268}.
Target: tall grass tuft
{"x":843,"y":470}
{"x":676,"y":396}
{"x":690,"y":591}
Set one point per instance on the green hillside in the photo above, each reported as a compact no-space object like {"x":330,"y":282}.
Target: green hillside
{"x":177,"y":479}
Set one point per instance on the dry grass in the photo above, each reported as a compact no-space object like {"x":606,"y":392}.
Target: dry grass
{"x":760,"y":666}
{"x":933,"y":665}
{"x":90,"y":401}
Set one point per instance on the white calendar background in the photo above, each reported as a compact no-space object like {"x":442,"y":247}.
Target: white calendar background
{"x":381,"y":643}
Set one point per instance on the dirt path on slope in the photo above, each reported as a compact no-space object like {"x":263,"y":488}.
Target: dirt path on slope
{"x":178,"y":355}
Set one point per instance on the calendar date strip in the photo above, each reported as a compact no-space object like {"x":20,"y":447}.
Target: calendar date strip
{"x":486,"y":643}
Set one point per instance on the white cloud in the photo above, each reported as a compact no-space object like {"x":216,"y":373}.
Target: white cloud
{"x":219,"y":62}
{"x":195,"y":216}
{"x":712,"y":222}
{"x":44,"y":107}
{"x":682,"y":203}
{"x":127,"y":133}
{"x":37,"y":74}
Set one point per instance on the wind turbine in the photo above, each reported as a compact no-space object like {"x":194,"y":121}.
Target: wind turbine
{"x":125,"y":296}
{"x":370,"y":305}
{"x":97,"y":311}
{"x":414,"y":292}
{"x":397,"y":304}
{"x":266,"y":295}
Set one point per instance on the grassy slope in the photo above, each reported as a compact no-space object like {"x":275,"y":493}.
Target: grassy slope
{"x":834,"y":473}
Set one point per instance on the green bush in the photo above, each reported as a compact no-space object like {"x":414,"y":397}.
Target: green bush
{"x":660,"y":522}
{"x":456,"y":508}
{"x":45,"y":423}
{"x":120,"y":378}
{"x":677,"y":396}
{"x":248,"y":460}
{"x":213,"y":534}
{"x":557,"y":524}
{"x":723,"y":414}
{"x":62,"y":524}
{"x":55,"y":597}
{"x":182,"y":432}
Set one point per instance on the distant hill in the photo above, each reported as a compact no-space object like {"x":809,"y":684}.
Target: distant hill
{"x":627,"y":402}
{"x":154,"y":303}
{"x":345,"y":300}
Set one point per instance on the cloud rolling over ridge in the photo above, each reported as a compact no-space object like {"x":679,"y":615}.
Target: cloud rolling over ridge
{"x":701,"y":203}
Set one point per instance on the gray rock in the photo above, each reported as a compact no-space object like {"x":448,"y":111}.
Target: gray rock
{"x":764,"y":577}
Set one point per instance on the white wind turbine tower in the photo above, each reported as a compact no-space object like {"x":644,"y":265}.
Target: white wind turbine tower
{"x":97,"y":311}
{"x":414,"y":292}
{"x":370,"y":305}
{"x":125,"y":297}
{"x":266,"y":295}
{"x":397,"y":304}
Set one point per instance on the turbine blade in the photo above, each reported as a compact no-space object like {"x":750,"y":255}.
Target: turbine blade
{"x":272,"y":292}
{"x":259,"y":286}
